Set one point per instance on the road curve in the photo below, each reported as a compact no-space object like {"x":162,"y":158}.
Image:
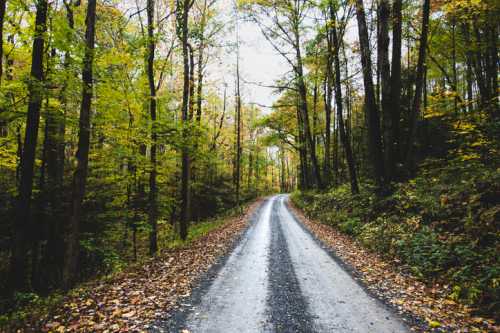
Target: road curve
{"x":279,"y":279}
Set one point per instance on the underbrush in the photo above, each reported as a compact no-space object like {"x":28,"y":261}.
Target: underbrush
{"x":443,"y":226}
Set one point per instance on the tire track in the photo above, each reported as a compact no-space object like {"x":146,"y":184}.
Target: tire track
{"x":287,"y":307}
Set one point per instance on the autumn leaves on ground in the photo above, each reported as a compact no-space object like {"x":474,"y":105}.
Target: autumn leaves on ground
{"x":134,"y":299}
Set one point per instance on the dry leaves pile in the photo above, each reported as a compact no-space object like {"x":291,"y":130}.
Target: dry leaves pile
{"x":134,"y":299}
{"x":428,"y":304}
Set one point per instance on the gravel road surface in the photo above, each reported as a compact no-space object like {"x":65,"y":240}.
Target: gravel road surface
{"x":279,"y":279}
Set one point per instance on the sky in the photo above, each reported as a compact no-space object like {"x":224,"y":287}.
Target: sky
{"x":260,"y":65}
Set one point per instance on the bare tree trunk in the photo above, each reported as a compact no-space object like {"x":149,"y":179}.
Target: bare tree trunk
{"x":153,"y":190}
{"x":53,"y":256}
{"x":238,"y":118}
{"x":454,"y":64}
{"x":346,"y":142}
{"x":328,"y":121}
{"x":395,"y":88}
{"x":383,"y":58}
{"x":82,"y":154}
{"x":183,"y":7}
{"x":305,"y":120}
{"x":304,"y":171}
{"x":199,"y":86}
{"x":18,"y":274}
{"x":302,"y":89}
{"x":371,"y":109}
{"x":3,"y":4}
{"x":470,"y":98}
{"x":238,"y":127}
{"x":415,"y":111}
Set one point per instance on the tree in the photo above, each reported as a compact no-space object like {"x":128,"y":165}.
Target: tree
{"x":82,"y":154}
{"x":346,"y":142}
{"x":18,"y":265}
{"x":183,"y":7}
{"x":392,"y":149}
{"x":283,"y":32}
{"x":238,"y":119}
{"x":417,"y":97}
{"x":153,"y":210}
{"x":371,"y":108}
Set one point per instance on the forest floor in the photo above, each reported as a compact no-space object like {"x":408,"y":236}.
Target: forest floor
{"x":133,"y":299}
{"x":429,"y":306}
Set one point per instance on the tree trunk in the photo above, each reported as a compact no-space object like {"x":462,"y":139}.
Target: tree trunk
{"x":199,"y":86}
{"x":305,"y":117}
{"x":346,"y":142}
{"x":238,"y":127}
{"x":53,"y":258}
{"x":183,"y":8}
{"x":82,"y":154}
{"x":18,"y":265}
{"x":3,"y":4}
{"x":371,"y":109}
{"x":395,"y":88}
{"x":385,"y":69}
{"x":415,"y":111}
{"x":153,"y":191}
{"x":304,"y":171}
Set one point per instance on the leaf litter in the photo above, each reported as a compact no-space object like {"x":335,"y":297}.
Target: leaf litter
{"x":132,"y":300}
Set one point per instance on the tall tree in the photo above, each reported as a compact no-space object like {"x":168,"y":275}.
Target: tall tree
{"x":238,"y":118}
{"x":18,"y":265}
{"x":82,"y":154}
{"x":153,"y":191}
{"x":419,"y":81}
{"x":346,"y":140}
{"x":385,"y":85}
{"x":392,"y":152}
{"x":371,"y":108}
{"x":183,"y":7}
{"x":3,"y":4}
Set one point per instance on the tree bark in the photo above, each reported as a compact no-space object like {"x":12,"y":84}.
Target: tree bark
{"x":183,"y":7}
{"x":199,"y":85}
{"x":82,"y":154}
{"x":238,"y":127}
{"x":346,"y":142}
{"x":303,"y":109}
{"x":153,"y":190}
{"x":371,"y":109}
{"x":395,"y":89}
{"x":18,"y":265}
{"x":3,"y":4}
{"x":415,"y":110}
{"x":385,"y":77}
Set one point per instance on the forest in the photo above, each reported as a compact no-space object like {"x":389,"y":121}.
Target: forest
{"x":126,"y":127}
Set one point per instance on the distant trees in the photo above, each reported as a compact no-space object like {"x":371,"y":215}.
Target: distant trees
{"x":283,"y":27}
